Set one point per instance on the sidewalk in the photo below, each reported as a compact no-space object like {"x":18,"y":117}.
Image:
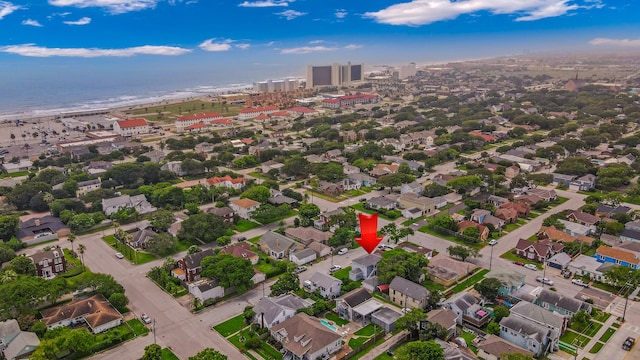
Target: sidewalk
{"x":584,"y":352}
{"x":386,"y":345}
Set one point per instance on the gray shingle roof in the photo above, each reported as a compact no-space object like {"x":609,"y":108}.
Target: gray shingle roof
{"x":368,"y":260}
{"x":412,"y":289}
{"x":525,"y":327}
{"x":567,"y":303}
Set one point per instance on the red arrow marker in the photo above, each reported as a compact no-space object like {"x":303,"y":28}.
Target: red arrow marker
{"x":369,"y":239}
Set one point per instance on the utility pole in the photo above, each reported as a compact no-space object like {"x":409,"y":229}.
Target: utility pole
{"x":491,"y":258}
{"x":154,"y":330}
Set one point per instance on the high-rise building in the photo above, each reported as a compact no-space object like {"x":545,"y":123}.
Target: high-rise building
{"x":276,"y":85}
{"x":334,"y":75}
{"x":405,"y":71}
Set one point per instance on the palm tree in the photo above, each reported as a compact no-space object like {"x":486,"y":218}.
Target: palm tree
{"x":71,"y":238}
{"x":81,"y":249}
{"x":13,"y":138}
{"x":48,"y":198}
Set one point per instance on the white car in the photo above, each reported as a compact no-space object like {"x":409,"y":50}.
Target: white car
{"x":544,"y":280}
{"x":579,"y":282}
{"x":531,"y":267}
{"x":145,"y":318}
{"x":119,"y":255}
{"x":335,"y":268}
{"x":343,"y":251}
{"x":493,"y":242}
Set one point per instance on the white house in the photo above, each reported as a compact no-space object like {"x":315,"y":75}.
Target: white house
{"x":244,"y":207}
{"x":251,"y":113}
{"x":328,"y":285}
{"x":184,"y":122}
{"x":303,"y":256}
{"x":271,"y":311}
{"x":95,"y":311}
{"x":131,"y":127}
{"x":138,"y":202}
{"x":206,"y":289}
{"x":304,"y":337}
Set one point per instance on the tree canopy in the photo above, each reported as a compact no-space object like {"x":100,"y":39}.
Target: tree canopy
{"x":229,"y":270}
{"x":203,"y":226}
{"x":398,"y":262}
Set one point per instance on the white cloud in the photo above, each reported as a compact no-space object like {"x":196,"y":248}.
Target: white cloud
{"x":352,"y":46}
{"x":82,"y":21}
{"x":316,"y":41}
{"x":422,"y":12}
{"x":33,"y":50}
{"x":243,"y":46}
{"x":113,"y":6}
{"x":307,"y":50}
{"x":290,"y":14}
{"x":341,"y":13}
{"x":7,"y":8}
{"x":209,"y":45}
{"x":31,"y":22}
{"x":616,"y":42}
{"x":265,"y":3}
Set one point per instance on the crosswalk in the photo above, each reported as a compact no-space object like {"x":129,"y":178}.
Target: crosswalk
{"x":616,"y":308}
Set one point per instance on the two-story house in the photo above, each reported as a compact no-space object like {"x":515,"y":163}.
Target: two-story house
{"x":411,"y":200}
{"x":537,"y":251}
{"x":241,"y":250}
{"x":225,"y":212}
{"x":364,"y":267}
{"x":304,"y":338}
{"x":49,"y":263}
{"x":271,"y":311}
{"x":408,"y":294}
{"x":346,"y":303}
{"x":322,"y":223}
{"x":328,"y":286}
{"x":131,"y":127}
{"x":534,"y":313}
{"x":468,"y":309}
{"x":87,"y":186}
{"x":190,"y":264}
{"x":528,"y":335}
{"x":563,"y":305}
{"x":244,"y":207}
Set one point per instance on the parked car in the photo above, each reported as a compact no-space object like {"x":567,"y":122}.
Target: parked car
{"x":119,"y":255}
{"x":335,"y":268}
{"x":579,"y":282}
{"x":363,"y":200}
{"x":242,"y":238}
{"x":531,"y":267}
{"x":519,"y":263}
{"x":145,"y":318}
{"x":300,"y":269}
{"x":544,"y":280}
{"x":493,"y":242}
{"x":42,"y":235}
{"x":567,"y":274}
{"x":628,"y":343}
{"x":343,"y":251}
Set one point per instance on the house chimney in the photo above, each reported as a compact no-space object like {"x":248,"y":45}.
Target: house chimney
{"x":37,"y":222}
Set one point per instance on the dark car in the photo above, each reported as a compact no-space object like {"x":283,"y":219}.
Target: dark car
{"x":567,"y":274}
{"x":628,"y":344}
{"x":519,"y":263}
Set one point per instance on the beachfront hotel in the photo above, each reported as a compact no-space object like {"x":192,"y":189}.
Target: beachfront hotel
{"x":334,"y":75}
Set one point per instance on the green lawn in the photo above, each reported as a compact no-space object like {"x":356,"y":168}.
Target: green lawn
{"x":574,"y":339}
{"x":616,"y":325}
{"x":291,"y":213}
{"x":605,"y":287}
{"x":342,"y":274}
{"x":368,"y":330}
{"x":336,"y":319}
{"x":323,"y":196}
{"x":470,"y":281}
{"x":138,"y":327}
{"x":268,"y":352}
{"x":596,"y":347}
{"x":513,"y":257}
{"x":258,"y":175}
{"x":230,"y":326}
{"x":16,"y":174}
{"x":469,"y":339}
{"x":361,"y":208}
{"x":254,"y":240}
{"x":135,"y":257}
{"x":245,"y":225}
{"x":425,"y":229}
{"x":602,"y":316}
{"x":433,"y":286}
{"x":168,"y":355}
{"x":592,"y":329}
{"x":411,"y":221}
{"x":384,"y":356}
{"x":356,"y":342}
{"x":607,"y":335}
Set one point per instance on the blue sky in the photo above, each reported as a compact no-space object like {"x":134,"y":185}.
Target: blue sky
{"x":187,"y":40}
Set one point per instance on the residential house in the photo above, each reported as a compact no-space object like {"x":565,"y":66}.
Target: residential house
{"x":446,"y":318}
{"x":412,"y":213}
{"x":330,"y":189}
{"x":363,"y":179}
{"x":534,"y":313}
{"x":511,"y":172}
{"x":510,"y":281}
{"x":428,"y":253}
{"x":16,"y":344}
{"x":532,"y":336}
{"x":468,"y":309}
{"x":141,"y":236}
{"x":303,"y":256}
{"x":131,"y":127}
{"x":509,"y":215}
{"x":523,"y":210}
{"x":225,"y":212}
{"x":583,"y":265}
{"x":443,"y":179}
{"x":453,"y":351}
{"x":482,"y":230}
{"x":384,"y":317}
{"x":174,"y":167}
{"x":563,"y":305}
{"x":383,"y":169}
{"x":559,"y":261}
{"x":348,"y":184}
{"x":226,"y":182}
{"x":244,"y":207}
{"x":306,"y":235}
{"x":546,"y":195}
{"x":49,"y":263}
{"x":497,"y":201}
{"x":527,"y":199}
{"x":537,"y":251}
{"x":584,"y":183}
{"x":382,"y":202}
{"x":137,"y":202}
{"x":605,"y":254}
{"x":408,"y":294}
{"x":271,"y":311}
{"x":328,"y":286}
{"x":608,"y":211}
{"x":304,"y":338}
{"x":346,"y":303}
{"x":583,"y":218}
{"x":552,"y":233}
{"x":205,"y":289}
{"x":412,"y":200}
{"x":493,"y":347}
{"x":241,"y":250}
{"x":413,"y":187}
{"x":322,"y":223}
{"x":364,"y":267}
{"x":484,"y":217}
{"x":575,"y":229}
{"x":190,"y":264}
{"x":563,"y":180}
{"x":349,"y":136}
{"x":29,"y":229}
{"x":278,"y":246}
{"x":277,"y":198}
{"x":87,"y":186}
{"x":271,"y":165}
{"x":321,"y":249}
{"x":95,"y":311}
{"x":440,"y":202}
{"x":203,"y":148}
{"x":350,"y":169}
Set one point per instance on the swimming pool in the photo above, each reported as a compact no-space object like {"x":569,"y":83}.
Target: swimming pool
{"x":327,"y":325}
